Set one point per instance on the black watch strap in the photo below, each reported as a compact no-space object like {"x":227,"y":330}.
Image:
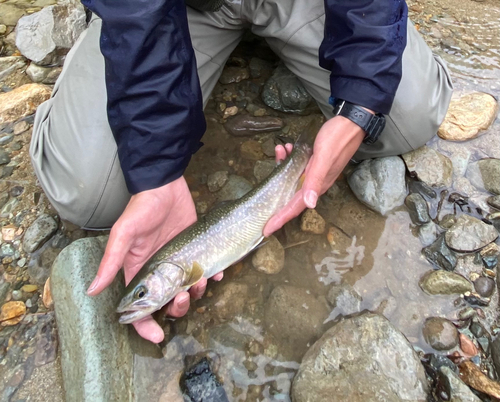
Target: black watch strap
{"x":372,"y":124}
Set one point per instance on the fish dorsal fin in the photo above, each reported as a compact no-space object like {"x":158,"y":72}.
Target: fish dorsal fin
{"x":196,"y":274}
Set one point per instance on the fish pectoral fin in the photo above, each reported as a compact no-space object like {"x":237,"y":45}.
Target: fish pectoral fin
{"x":196,"y":274}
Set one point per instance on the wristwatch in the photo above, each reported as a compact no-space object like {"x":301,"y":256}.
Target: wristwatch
{"x":372,"y":124}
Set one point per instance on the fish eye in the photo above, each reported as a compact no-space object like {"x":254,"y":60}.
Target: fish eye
{"x":140,"y":292}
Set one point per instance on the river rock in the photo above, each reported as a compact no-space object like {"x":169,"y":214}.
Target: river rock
{"x":259,"y":68}
{"x":428,"y":233}
{"x":490,"y":173}
{"x":361,"y":359}
{"x":312,"y":222}
{"x":22,"y":101}
{"x":441,"y":282}
{"x":467,"y":116}
{"x":418,"y":209}
{"x":469,"y":234}
{"x":230,"y":300}
{"x":380,"y":183}
{"x":294,"y":317}
{"x":430,"y":166}
{"x":494,"y":201}
{"x":484,"y":286}
{"x":96,"y":351}
{"x":440,"y":333}
{"x":263,"y":169}
{"x":475,"y":378}
{"x":4,"y":157}
{"x":251,"y":150}
{"x":244,"y":125}
{"x":269,"y":258}
{"x":39,"y":232}
{"x":45,"y":36}
{"x":9,"y":65}
{"x":233,"y":74}
{"x":283,"y":91}
{"x":10,"y":13}
{"x":37,"y":73}
{"x":455,"y":387}
{"x":236,"y":187}
{"x":344,"y":299}
{"x":495,"y":353}
{"x":11,"y":312}
{"x":216,"y":181}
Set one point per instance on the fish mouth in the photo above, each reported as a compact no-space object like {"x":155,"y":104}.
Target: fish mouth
{"x":137,"y":312}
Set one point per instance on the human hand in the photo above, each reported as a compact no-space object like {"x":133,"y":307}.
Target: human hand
{"x":150,"y":220}
{"x":336,"y":143}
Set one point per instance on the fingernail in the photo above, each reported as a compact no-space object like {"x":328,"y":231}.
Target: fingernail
{"x":183,"y":303}
{"x":93,"y":285}
{"x":310,"y":199}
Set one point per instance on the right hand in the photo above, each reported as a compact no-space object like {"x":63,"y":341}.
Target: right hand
{"x":150,"y":220}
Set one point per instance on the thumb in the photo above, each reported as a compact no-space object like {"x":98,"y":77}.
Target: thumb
{"x":117,"y":248}
{"x":314,"y":180}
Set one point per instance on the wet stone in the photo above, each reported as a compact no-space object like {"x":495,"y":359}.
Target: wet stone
{"x":339,"y":366}
{"x":484,"y":286}
{"x":251,"y":150}
{"x":236,"y":187}
{"x":470,"y":234}
{"x":467,"y":116}
{"x":440,"y":255}
{"x":37,"y":73}
{"x":230,"y":300}
{"x":263,"y":169}
{"x":4,"y":157}
{"x":199,"y":383}
{"x":259,"y":68}
{"x":268,"y":147}
{"x":7,"y":250}
{"x":246,"y":125}
{"x":430,"y":166}
{"x":16,"y":191}
{"x":39,"y":232}
{"x":216,"y":181}
{"x":448,"y":221}
{"x":6,"y":139}
{"x":234,"y":74}
{"x":312,"y":222}
{"x":4,"y":290}
{"x":284,"y":92}
{"x":428,"y":233}
{"x":494,"y":201}
{"x":380,"y":183}
{"x":344,"y":299}
{"x":420,"y":187}
{"x":475,"y":378}
{"x":418,"y":209}
{"x":269,"y":258}
{"x":441,"y":282}
{"x":490,"y":174}
{"x":440,"y":333}
{"x":20,"y":127}
{"x":456,"y":388}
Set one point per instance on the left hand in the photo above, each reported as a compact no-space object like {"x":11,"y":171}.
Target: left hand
{"x":336,"y":143}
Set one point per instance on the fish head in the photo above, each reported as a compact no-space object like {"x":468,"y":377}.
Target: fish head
{"x":149,"y":294}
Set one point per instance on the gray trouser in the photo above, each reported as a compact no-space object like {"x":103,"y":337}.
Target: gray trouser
{"x":74,"y":152}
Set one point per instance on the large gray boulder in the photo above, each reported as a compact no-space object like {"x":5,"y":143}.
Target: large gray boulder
{"x":44,"y":37}
{"x":380,"y":183}
{"x":361,"y":359}
{"x":97,"y":353}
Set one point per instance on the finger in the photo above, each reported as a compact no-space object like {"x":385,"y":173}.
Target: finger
{"x":289,"y":148}
{"x":280,"y":153}
{"x":116,"y":249}
{"x":290,"y":211}
{"x":197,"y":290}
{"x":149,"y":329}
{"x":179,"y":306}
{"x":315,"y":178}
{"x":218,"y":277}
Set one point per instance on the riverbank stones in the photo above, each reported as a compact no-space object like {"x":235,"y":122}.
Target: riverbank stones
{"x":430,"y":166}
{"x":441,"y":282}
{"x":440,"y":333}
{"x":470,"y":234}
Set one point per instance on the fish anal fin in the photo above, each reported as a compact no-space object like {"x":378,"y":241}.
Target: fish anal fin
{"x":196,"y":274}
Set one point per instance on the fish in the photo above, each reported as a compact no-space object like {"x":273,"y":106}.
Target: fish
{"x":219,"y":239}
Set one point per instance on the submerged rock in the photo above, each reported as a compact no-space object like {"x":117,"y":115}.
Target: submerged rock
{"x":441,"y":282}
{"x":22,"y":101}
{"x":96,"y":351}
{"x":230,"y":300}
{"x":216,"y":181}
{"x":490,"y":173}
{"x":284,"y":92}
{"x":380,"y":183}
{"x":440,"y":333}
{"x":484,"y":286}
{"x":269,"y":258}
{"x":361,"y":359}
{"x":45,"y":36}
{"x":244,"y":125}
{"x":418,"y":209}
{"x":494,"y":201}
{"x":39,"y":232}
{"x":470,"y":234}
{"x":294,"y":317}
{"x":263,"y":169}
{"x":428,"y":233}
{"x":430,"y":166}
{"x":199,"y":384}
{"x":345,"y":299}
{"x":233,"y":74}
{"x":440,"y":255}
{"x":467,"y":116}
{"x":312,"y":222}
{"x":236,"y":187}
{"x":456,"y":388}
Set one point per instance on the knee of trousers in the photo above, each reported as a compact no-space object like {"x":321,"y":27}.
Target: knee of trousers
{"x":91,"y":194}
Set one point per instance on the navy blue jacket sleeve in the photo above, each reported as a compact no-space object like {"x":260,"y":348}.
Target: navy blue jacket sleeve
{"x":363,"y":48}
{"x":155,"y":105}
